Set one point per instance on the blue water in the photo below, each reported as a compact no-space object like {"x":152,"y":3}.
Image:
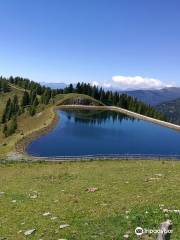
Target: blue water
{"x":89,"y":132}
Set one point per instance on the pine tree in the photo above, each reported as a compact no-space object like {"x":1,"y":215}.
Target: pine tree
{"x":36,"y":102}
{"x":15,"y":105}
{"x":10,"y":128}
{"x":46,"y":96}
{"x":7,"y":111}
{"x":5,"y":128}
{"x":25,"y":99}
{"x":32,"y":97}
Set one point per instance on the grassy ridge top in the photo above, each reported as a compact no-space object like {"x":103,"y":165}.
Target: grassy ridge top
{"x":74,"y":98}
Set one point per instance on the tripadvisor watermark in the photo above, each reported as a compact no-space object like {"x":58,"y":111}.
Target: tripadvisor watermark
{"x":140,"y":231}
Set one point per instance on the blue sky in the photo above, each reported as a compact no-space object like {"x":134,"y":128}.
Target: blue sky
{"x":92,"y":41}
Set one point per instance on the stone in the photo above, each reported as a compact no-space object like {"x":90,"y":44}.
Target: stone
{"x":92,"y":189}
{"x":33,"y":196}
{"x":165,"y":230}
{"x":165,"y":210}
{"x":63,"y":226}
{"x":126,"y":236}
{"x":46,"y":214}
{"x":177,"y":211}
{"x":29,"y":232}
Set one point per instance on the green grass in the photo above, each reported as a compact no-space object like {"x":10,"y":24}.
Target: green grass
{"x":61,"y":189}
{"x":70,"y":97}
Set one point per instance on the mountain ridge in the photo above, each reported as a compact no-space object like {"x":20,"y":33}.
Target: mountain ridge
{"x":155,"y":97}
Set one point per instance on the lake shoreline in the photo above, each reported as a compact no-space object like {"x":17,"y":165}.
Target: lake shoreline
{"x":22,"y":144}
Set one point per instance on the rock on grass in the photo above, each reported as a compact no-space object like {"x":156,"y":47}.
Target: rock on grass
{"x":63,"y":226}
{"x":46,"y":214}
{"x":29,"y":232}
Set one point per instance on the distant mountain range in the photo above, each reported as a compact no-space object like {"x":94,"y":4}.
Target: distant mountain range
{"x":152,"y":97}
{"x":54,"y":85}
{"x":155,"y":97}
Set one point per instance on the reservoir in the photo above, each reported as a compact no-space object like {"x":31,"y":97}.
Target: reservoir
{"x":107,"y":133}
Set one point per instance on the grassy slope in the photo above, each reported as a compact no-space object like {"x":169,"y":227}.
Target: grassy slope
{"x":64,"y":98}
{"x":28,"y":124}
{"x":3,"y":99}
{"x":61,"y":189}
{"x":4,"y":96}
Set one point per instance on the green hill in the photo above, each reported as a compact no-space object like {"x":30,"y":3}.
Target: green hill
{"x":74,"y":98}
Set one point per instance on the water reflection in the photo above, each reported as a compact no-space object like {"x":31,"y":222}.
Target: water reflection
{"x":96,"y":116}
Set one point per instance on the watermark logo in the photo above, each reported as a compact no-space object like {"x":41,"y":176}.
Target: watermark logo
{"x":139,"y":231}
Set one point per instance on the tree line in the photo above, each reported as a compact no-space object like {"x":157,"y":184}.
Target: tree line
{"x":46,"y":93}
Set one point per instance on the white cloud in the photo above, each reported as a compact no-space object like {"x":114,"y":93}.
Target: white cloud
{"x":138,"y":82}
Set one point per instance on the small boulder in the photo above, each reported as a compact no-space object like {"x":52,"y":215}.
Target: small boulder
{"x":126,"y":236}
{"x":33,"y":196}
{"x":46,"y":214}
{"x":63,"y":226}
{"x":29,"y":232}
{"x":92,"y":189}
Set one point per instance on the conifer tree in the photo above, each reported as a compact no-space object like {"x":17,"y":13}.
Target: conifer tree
{"x":7,"y":111}
{"x":25,"y":99}
{"x":36,"y":102}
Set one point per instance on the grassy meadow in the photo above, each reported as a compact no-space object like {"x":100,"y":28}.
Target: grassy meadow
{"x":129,"y":194}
